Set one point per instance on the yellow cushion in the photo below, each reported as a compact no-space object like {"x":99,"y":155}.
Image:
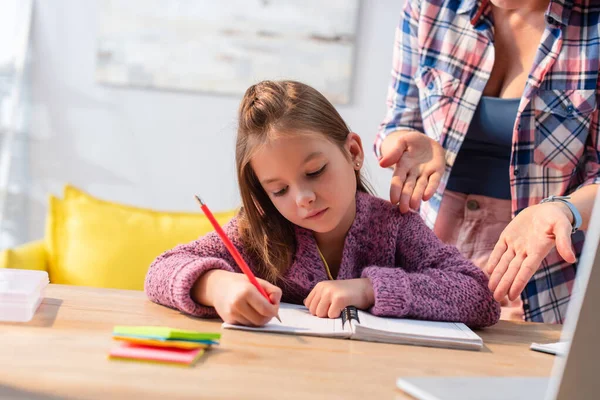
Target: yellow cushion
{"x":31,"y":255}
{"x":92,"y":242}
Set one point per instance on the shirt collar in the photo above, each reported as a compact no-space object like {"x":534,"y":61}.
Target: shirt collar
{"x":475,"y":8}
{"x":466,"y":6}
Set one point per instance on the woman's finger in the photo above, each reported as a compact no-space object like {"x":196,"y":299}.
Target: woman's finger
{"x":398,"y":179}
{"x":407,"y":191}
{"x":500,"y":269}
{"x":528,"y":268}
{"x":432,"y":185}
{"x":562,"y":233}
{"x":393,"y":155}
{"x":509,"y":276}
{"x":417,"y":195}
{"x":499,"y":249}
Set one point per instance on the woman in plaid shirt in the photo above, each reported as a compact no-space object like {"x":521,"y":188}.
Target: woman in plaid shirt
{"x":506,"y":93}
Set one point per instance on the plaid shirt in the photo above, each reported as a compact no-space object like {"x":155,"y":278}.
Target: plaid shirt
{"x":443,"y":57}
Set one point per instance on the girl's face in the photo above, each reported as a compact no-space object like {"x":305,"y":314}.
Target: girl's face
{"x":310,"y":180}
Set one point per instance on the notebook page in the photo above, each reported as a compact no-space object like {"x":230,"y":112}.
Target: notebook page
{"x":416,"y":328}
{"x":297,"y":320}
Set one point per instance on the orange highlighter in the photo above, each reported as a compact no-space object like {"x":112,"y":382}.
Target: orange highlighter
{"x":233,"y":251}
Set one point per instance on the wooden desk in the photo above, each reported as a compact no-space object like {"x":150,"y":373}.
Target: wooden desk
{"x":63,"y":352}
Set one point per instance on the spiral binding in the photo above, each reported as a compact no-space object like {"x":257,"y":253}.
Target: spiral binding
{"x":348,"y":314}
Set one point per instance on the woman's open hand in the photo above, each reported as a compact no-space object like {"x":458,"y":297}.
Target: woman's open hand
{"x":524,"y":243}
{"x":419,"y":164}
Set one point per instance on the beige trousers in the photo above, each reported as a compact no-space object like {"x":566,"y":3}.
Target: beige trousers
{"x":473,"y":224}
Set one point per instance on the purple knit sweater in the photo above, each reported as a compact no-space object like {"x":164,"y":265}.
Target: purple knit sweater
{"x":414,"y":275}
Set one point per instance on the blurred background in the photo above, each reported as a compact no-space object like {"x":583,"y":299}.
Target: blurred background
{"x":134,"y":101}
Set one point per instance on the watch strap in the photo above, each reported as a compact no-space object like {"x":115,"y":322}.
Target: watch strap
{"x":565,"y":199}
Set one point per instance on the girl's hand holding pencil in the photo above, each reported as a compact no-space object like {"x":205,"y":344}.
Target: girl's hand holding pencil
{"x":243,"y":304}
{"x":235,"y":299}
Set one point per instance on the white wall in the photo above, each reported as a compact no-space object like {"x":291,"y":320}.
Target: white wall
{"x":154,"y":148}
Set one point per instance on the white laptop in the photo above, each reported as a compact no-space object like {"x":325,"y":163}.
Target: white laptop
{"x":575,"y":375}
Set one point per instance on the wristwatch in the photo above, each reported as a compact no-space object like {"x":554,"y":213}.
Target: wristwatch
{"x":565,"y":199}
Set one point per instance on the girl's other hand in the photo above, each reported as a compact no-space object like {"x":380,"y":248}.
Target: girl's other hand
{"x":419,"y":164}
{"x":329,"y":298}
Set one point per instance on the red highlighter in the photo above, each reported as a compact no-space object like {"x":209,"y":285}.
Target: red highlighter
{"x":233,"y":251}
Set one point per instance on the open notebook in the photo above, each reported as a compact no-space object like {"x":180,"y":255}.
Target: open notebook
{"x":359,"y":325}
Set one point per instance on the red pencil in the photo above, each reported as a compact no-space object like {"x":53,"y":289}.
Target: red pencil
{"x":233,"y":251}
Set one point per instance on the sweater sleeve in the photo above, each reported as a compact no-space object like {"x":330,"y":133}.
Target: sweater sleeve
{"x":172,"y":275}
{"x":431,"y":280}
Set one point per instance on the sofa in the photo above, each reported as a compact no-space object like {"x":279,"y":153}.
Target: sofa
{"x":93,"y":242}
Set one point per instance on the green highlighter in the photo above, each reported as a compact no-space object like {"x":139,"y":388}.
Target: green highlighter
{"x":164,"y":333}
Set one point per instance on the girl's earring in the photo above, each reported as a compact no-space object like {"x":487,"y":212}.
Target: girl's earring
{"x":357,"y":165}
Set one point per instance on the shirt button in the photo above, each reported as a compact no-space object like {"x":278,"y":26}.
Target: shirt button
{"x":430,"y":86}
{"x":570,"y":109}
{"x":516,"y":172}
{"x":472,"y":205}
{"x":551,"y":21}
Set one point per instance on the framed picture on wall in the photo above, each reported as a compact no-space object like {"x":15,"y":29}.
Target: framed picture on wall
{"x":225,"y":46}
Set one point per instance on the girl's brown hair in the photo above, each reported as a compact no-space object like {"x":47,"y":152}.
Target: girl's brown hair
{"x":269,"y":109}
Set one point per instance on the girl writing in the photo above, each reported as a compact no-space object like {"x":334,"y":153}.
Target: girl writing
{"x":310,"y":229}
